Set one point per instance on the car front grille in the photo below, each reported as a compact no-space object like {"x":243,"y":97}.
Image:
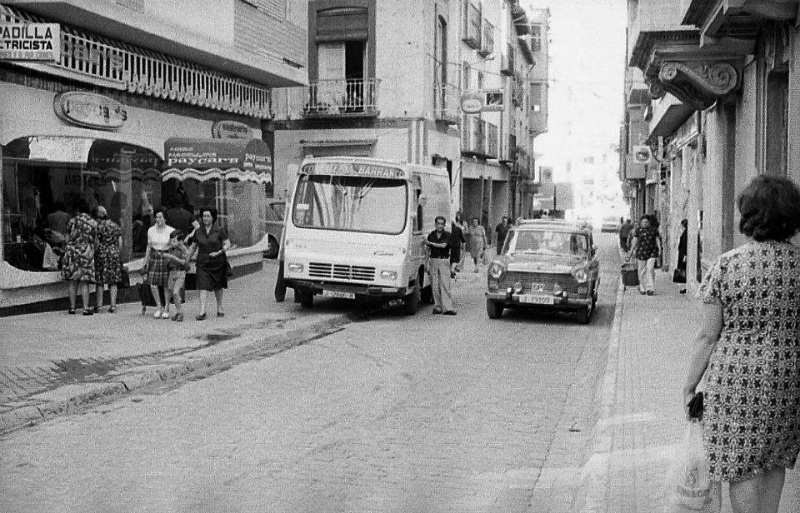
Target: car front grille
{"x":565,"y":281}
{"x":341,"y":271}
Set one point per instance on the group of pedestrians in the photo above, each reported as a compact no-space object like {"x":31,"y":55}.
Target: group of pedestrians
{"x":92,"y":256}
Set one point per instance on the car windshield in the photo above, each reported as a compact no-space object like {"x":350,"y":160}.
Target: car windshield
{"x":546,"y":242}
{"x":352,"y":203}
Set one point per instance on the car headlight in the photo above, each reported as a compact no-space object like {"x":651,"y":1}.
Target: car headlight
{"x":557,"y":290}
{"x":518,"y":287}
{"x":388,"y":275}
{"x":496,"y":270}
{"x":294,"y":268}
{"x":580,"y":275}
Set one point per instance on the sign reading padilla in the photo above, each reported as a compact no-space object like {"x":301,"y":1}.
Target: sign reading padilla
{"x":30,"y":42}
{"x":207,"y":159}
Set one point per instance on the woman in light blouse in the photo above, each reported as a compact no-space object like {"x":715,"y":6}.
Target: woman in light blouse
{"x":157,"y":268}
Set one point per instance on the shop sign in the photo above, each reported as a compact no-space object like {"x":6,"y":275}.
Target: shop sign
{"x":485,"y":100}
{"x":30,"y":42}
{"x":231,"y":130}
{"x":471,"y":103}
{"x":90,"y":110}
{"x":206,"y":159}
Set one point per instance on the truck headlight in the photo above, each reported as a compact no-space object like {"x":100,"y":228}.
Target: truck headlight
{"x":580,"y":274}
{"x":294,"y":268}
{"x":388,"y":275}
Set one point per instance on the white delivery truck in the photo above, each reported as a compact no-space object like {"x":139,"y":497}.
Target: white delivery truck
{"x":356,"y":229}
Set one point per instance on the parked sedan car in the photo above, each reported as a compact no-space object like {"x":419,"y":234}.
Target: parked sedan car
{"x":274,"y":225}
{"x":547,"y":265}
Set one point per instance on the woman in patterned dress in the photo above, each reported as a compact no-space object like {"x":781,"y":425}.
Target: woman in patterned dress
{"x":749,"y":350}
{"x":78,"y":264}
{"x":646,"y":248}
{"x":157,"y":266}
{"x":107,"y":262}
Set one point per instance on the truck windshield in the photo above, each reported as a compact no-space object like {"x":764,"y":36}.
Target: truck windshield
{"x":352,"y":203}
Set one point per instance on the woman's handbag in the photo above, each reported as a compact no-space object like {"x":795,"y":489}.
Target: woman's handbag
{"x":679,"y":275}
{"x":228,"y":268}
{"x":690,"y":488}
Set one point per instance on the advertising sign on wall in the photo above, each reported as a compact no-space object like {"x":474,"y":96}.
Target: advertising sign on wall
{"x":485,"y":100}
{"x":30,"y":42}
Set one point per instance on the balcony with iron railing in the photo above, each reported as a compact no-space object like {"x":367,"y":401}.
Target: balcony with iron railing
{"x":472,"y":26}
{"x":446,"y":104}
{"x":341,"y":98}
{"x":480,"y":138}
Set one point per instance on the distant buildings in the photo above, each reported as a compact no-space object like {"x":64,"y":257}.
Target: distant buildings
{"x":712,"y":101}
{"x":387,"y":80}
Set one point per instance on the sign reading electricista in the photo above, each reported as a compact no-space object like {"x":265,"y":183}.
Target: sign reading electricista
{"x":30,"y":42}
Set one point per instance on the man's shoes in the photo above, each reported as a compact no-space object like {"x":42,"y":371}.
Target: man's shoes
{"x":642,"y":292}
{"x":201,"y":317}
{"x":650,"y":292}
{"x":450,"y":312}
{"x":682,"y":291}
{"x":437,"y":310}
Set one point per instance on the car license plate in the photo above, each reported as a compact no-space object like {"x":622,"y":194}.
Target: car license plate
{"x":536,"y":300}
{"x":338,"y":294}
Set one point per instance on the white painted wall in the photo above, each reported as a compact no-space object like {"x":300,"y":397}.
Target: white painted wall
{"x":193,"y":15}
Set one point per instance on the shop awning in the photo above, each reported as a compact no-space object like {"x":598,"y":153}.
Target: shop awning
{"x":113,"y":160}
{"x":228,"y":159}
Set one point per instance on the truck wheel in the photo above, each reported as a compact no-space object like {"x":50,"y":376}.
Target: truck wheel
{"x":280,"y":285}
{"x":494,"y":309}
{"x":306,"y":298}
{"x":412,"y":302}
{"x":426,"y":293}
{"x":274,"y":248}
{"x":585,"y":314}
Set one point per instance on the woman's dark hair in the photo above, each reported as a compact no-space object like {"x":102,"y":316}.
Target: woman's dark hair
{"x":159,"y":210}
{"x":475,"y":219}
{"x":210,"y":210}
{"x":770,"y":209}
{"x":82,"y":207}
{"x":685,"y":223}
{"x":459,"y":216}
{"x":177,"y":234}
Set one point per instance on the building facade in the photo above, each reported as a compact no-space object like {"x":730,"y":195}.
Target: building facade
{"x":145,"y":103}
{"x":723,"y":107}
{"x":387,"y":79}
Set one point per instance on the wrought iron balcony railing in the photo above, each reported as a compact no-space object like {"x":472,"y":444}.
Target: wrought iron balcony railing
{"x":342,"y":98}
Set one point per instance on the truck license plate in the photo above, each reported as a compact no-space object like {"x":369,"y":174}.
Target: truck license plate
{"x":338,"y":294}
{"x":536,"y":300}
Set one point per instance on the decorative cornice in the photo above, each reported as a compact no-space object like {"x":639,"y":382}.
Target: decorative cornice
{"x":698,"y":84}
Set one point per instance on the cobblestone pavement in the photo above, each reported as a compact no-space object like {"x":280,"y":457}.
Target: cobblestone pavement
{"x":425,"y":414}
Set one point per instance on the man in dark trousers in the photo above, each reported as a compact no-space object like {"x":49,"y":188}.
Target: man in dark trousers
{"x":439,"y":244}
{"x":457,"y":239}
{"x":502,"y":232}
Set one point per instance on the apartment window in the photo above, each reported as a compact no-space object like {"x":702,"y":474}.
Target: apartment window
{"x":440,"y":62}
{"x":536,"y":97}
{"x":536,"y":38}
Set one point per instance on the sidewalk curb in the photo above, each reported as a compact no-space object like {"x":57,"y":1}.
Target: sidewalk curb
{"x":594,"y":475}
{"x":68,"y":399}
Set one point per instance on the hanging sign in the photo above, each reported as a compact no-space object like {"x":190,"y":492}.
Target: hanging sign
{"x":231,"y":130}
{"x":30,"y":42}
{"x":471,"y":103}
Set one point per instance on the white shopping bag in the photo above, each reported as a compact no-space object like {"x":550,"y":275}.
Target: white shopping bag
{"x":690,"y":488}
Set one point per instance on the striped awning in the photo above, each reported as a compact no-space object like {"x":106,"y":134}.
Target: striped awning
{"x":222,"y":159}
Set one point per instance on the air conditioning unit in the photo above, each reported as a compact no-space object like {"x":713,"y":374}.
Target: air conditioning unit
{"x":642,"y":154}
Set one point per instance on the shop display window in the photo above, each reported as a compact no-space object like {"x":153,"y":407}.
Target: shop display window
{"x":45,"y":176}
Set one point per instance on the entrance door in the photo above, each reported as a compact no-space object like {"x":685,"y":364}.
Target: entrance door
{"x":331,"y":75}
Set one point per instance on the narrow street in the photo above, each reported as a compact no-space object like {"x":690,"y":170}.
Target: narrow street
{"x":424,"y":413}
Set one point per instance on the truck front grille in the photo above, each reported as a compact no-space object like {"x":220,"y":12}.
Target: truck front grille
{"x":341,"y":271}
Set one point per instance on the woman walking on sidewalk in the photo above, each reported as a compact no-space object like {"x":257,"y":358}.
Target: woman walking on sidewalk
{"x":749,"y":350}
{"x":78,"y":263}
{"x":477,"y":241}
{"x":211,"y":242}
{"x":646,"y":248}
{"x":108,"y":264}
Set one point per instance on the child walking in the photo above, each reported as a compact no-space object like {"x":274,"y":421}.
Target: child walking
{"x":177,"y":256}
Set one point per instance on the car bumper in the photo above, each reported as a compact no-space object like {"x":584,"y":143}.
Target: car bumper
{"x":358,"y":290}
{"x":539,"y":301}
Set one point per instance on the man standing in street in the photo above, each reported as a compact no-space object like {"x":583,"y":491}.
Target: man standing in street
{"x":502,"y":232}
{"x":624,"y":231}
{"x":456,"y":245}
{"x":439,"y":241}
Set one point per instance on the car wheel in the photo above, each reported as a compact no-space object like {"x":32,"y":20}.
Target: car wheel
{"x":412,"y":302}
{"x":585,"y":314}
{"x":494,"y":309}
{"x":274,"y":248}
{"x":306,"y":298}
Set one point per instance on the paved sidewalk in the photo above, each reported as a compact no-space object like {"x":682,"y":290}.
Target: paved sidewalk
{"x":641,"y":418}
{"x":51,"y":362}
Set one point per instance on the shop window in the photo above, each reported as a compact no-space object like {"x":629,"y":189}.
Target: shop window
{"x":45,"y":176}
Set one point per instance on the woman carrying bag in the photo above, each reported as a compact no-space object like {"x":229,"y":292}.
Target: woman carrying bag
{"x":210,"y":242}
{"x":748,"y":349}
